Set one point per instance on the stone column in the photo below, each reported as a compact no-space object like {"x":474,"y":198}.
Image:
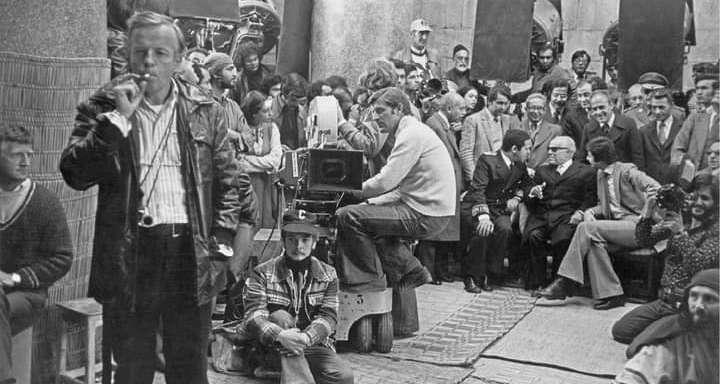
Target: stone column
{"x":52,"y":56}
{"x":347,"y":33}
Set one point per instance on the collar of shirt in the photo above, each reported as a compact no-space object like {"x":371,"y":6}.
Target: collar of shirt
{"x":709,"y":110}
{"x":667,"y":123}
{"x":535,"y":125}
{"x":609,"y":169}
{"x":563,"y":167}
{"x":416,"y":52}
{"x":506,"y":159}
{"x":611,"y":120}
{"x":169,"y":102}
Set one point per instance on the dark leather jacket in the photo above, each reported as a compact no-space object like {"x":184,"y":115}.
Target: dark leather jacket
{"x":219,"y":196}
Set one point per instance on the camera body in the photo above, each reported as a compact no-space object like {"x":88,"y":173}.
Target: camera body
{"x":673,"y":198}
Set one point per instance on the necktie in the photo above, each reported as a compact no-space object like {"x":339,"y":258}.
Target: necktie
{"x":605,"y":128}
{"x":661,"y":132}
{"x":556,"y":115}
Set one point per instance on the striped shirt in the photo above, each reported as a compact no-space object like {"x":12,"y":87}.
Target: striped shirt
{"x":160,"y":173}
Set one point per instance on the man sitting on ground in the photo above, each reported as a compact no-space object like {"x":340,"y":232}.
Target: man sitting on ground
{"x":622,"y":190}
{"x":298,"y":326}
{"x":491,"y":199}
{"x":413,"y":196}
{"x":691,"y":248}
{"x":682,"y":348}
{"x":35,"y":245}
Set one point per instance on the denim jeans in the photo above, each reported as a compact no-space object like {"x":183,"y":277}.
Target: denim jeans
{"x":359,"y":261}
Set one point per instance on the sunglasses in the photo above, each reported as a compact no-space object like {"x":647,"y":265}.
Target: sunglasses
{"x":556,"y":149}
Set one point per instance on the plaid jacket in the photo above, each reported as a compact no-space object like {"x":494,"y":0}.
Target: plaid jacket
{"x":272,"y":287}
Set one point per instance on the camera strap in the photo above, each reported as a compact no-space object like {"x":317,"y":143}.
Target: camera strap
{"x":155,"y":163}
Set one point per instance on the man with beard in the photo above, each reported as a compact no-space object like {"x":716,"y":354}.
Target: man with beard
{"x":562,"y":190}
{"x":619,"y":129}
{"x":691,"y":248}
{"x":418,"y":52}
{"x":223,"y":77}
{"x":459,"y":75}
{"x":681,"y":348}
{"x":622,"y":190}
{"x":493,"y":196}
{"x":578,"y":114}
{"x":289,"y":111}
{"x":547,"y":69}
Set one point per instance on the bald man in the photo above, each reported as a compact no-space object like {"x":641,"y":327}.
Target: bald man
{"x":562,"y":190}
{"x":446,"y":122}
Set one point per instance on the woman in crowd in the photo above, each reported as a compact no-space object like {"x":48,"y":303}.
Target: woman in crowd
{"x":263,"y":157}
{"x":475,"y":102}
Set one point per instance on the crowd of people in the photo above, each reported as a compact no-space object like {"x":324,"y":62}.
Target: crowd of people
{"x":186,"y":144}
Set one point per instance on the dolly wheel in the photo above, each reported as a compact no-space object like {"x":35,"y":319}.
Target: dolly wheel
{"x":384,"y":332}
{"x":361,"y":334}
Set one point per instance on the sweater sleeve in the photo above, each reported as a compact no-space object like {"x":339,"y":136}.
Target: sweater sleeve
{"x":55,"y":246}
{"x":403,"y":157}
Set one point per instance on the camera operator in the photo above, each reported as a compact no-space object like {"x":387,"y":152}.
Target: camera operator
{"x":691,"y":248}
{"x":413,"y":196}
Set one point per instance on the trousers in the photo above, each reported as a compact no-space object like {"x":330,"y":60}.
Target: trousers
{"x":18,"y":310}
{"x":485,"y":255}
{"x":166,"y":284}
{"x":324,"y":364}
{"x":634,"y":322}
{"x":589,"y":244}
{"x":359,"y":227}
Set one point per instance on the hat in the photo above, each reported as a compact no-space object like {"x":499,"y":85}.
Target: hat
{"x":459,"y":48}
{"x":707,"y":278}
{"x":420,"y":25}
{"x":653,"y":78}
{"x":216,"y":61}
{"x":300,"y":221}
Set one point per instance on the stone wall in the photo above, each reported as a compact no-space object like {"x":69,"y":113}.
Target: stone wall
{"x":585,"y":23}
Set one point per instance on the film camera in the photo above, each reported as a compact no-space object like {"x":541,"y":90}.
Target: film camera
{"x":673,"y":198}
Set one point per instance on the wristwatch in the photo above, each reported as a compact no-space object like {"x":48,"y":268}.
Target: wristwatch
{"x":16,"y":278}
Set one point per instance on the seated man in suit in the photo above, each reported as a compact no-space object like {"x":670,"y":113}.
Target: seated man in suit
{"x":541,"y":131}
{"x":621,"y":131}
{"x":562,"y":190}
{"x":493,"y":195}
{"x":483,"y":131}
{"x":35,"y":245}
{"x":622,"y":190}
{"x":658,"y":136}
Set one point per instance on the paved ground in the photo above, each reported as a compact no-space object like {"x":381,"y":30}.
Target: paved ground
{"x":435,"y":304}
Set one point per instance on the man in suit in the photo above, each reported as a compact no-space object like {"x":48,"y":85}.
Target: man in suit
{"x":619,"y":129}
{"x":541,"y":131}
{"x":700,"y":129}
{"x":578,"y":114}
{"x":493,"y":195}
{"x":433,"y":252}
{"x":483,"y":131}
{"x":622,"y":190}
{"x":557,"y":92}
{"x":650,"y":82}
{"x":562,"y":190}
{"x":658,"y":136}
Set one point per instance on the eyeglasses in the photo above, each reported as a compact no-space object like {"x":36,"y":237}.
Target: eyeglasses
{"x":462,"y":58}
{"x":716,"y":153}
{"x":556,"y":149}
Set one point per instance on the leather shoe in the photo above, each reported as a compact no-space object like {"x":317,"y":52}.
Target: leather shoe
{"x":558,"y":290}
{"x":609,"y":303}
{"x":484,"y":284}
{"x":470,"y":285}
{"x":416,"y":278}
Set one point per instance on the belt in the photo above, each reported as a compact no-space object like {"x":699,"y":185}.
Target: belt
{"x":167,"y":230}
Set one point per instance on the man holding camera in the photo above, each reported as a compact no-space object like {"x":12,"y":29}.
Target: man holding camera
{"x":413,"y":196}
{"x":691,"y":248}
{"x":170,"y":199}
